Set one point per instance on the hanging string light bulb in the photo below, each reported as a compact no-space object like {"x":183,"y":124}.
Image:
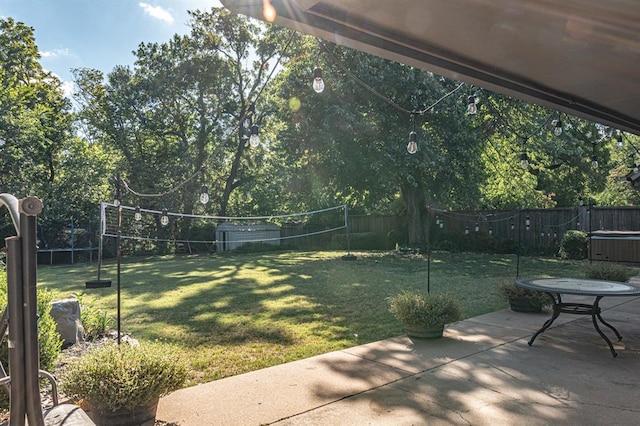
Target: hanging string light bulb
{"x":412,"y":146}
{"x":318,"y":82}
{"x":557,"y":130}
{"x":619,"y":142}
{"x":527,"y":223}
{"x":204,"y":194}
{"x":524,"y":160}
{"x":472,"y":108}
{"x":164,"y":219}
{"x":137,"y":215}
{"x":254,"y":139}
{"x":594,"y":162}
{"x":477,"y":227}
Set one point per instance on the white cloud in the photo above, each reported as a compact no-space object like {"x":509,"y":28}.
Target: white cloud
{"x":157,"y":12}
{"x":55,"y":53}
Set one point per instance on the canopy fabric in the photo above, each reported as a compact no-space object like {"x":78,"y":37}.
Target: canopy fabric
{"x":577,"y":56}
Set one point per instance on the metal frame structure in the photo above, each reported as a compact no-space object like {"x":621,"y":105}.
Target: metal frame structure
{"x":21,"y":315}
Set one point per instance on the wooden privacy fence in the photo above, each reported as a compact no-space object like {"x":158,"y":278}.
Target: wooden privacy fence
{"x":531,"y":229}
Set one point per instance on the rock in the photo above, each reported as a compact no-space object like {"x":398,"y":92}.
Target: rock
{"x":66,"y":314}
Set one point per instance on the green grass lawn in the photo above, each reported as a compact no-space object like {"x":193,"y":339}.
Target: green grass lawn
{"x":237,"y":313}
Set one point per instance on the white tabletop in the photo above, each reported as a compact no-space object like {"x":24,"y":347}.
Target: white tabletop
{"x":579,"y":286}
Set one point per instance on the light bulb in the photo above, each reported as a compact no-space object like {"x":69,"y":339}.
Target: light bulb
{"x":513,"y":226}
{"x":441,"y":224}
{"x":472,"y":108}
{"x":204,"y":194}
{"x":524,"y":160}
{"x":254,"y":139}
{"x":137,"y":216}
{"x":164,"y":219}
{"x":636,"y":168}
{"x":116,"y":202}
{"x":619,"y":141}
{"x":466,"y":231}
{"x":318,"y":82}
{"x":477,"y":227}
{"x":558,"y":129}
{"x":490,"y":231}
{"x":594,"y":162}
{"x":412,"y":146}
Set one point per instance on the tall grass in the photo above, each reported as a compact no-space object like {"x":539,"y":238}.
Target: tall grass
{"x":236,"y":313}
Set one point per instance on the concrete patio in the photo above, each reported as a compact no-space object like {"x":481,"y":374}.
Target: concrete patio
{"x":482,"y":372}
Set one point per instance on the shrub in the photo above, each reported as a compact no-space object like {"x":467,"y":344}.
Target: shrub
{"x":95,"y":322}
{"x":608,"y":272}
{"x":123,"y":376}
{"x":49,"y":342}
{"x":573,"y":245}
{"x":515,"y":295}
{"x":421,"y":308}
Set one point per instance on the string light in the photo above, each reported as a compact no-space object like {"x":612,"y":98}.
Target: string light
{"x":137,"y":216}
{"x":254,"y":139}
{"x":594,"y":162}
{"x":164,"y":219}
{"x":412,"y":146}
{"x":472,"y":108}
{"x":527,"y":223}
{"x":318,"y":82}
{"x":204,"y":194}
{"x":619,"y":140}
{"x":477,"y":227}
{"x":524,"y":160}
{"x":558,"y":128}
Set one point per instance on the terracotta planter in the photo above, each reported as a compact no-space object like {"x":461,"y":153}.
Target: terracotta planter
{"x":424,"y":332}
{"x":144,"y":415}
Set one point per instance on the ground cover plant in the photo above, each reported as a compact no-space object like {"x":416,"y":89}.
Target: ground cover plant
{"x":236,"y":313}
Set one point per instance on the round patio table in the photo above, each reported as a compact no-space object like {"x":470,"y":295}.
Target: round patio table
{"x":556,"y":287}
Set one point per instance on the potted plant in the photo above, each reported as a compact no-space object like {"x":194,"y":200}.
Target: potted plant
{"x":121,"y":384}
{"x":524,"y":300}
{"x":423,"y":314}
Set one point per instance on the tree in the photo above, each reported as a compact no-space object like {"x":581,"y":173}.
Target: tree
{"x":182,"y":115}
{"x":349,"y":142}
{"x":34,"y":115}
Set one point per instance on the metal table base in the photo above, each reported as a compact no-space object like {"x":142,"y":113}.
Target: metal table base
{"x":578,"y":309}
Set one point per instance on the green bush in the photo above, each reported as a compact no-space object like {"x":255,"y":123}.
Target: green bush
{"x":96,"y":322}
{"x":359,"y":241}
{"x":573,"y":245}
{"x":515,"y":295}
{"x":608,"y":272}
{"x":123,"y":376}
{"x":49,"y":342}
{"x":422,"y":308}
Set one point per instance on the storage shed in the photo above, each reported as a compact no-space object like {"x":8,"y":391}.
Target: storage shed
{"x":615,"y":246}
{"x":230,"y":236}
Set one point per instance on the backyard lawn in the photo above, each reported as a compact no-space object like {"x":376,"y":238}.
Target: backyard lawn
{"x":236,"y":313}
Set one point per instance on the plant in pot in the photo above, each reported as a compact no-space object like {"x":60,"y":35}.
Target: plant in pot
{"x":121,"y":384}
{"x":524,"y":300}
{"x":423,"y":314}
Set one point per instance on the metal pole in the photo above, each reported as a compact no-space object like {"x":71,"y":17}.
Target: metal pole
{"x":518,"y":248}
{"x":119,"y":257}
{"x":590,"y":213}
{"x":29,"y":208}
{"x":17,"y":403}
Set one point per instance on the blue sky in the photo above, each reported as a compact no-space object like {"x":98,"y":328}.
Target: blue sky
{"x":98,"y":33}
